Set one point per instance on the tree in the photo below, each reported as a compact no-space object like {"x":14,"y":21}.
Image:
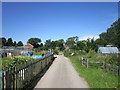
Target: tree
{"x":112,"y":36}
{"x":14,"y":43}
{"x":41,"y":45}
{"x":80,"y":45}
{"x":34,"y":42}
{"x":9,"y":42}
{"x":2,"y":41}
{"x":59,"y":43}
{"x":20,"y":43}
{"x":117,"y":33}
{"x":53,"y":45}
{"x":48,"y":44}
{"x":71,"y":42}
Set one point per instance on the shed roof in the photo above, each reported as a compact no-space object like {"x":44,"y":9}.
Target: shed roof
{"x":108,"y":50}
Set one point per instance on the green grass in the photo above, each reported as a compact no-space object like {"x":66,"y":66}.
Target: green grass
{"x":96,"y":78}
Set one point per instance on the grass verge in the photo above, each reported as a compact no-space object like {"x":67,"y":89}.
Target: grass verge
{"x":96,"y":78}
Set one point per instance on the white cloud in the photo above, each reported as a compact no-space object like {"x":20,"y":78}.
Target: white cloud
{"x":89,"y":36}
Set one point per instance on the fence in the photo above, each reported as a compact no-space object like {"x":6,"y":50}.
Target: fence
{"x":97,"y":64}
{"x":20,"y":77}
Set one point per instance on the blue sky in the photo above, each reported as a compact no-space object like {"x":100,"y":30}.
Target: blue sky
{"x":56,"y":20}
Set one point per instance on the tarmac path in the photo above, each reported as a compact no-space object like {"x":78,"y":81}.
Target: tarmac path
{"x":61,"y":74}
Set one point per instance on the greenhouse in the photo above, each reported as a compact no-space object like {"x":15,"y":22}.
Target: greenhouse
{"x":108,"y":50}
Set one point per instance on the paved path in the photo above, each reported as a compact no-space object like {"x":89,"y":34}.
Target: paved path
{"x":61,"y":74}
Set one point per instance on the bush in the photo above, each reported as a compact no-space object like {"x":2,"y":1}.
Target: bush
{"x":68,"y":53}
{"x":82,"y":52}
{"x":16,"y":61}
{"x":56,"y":51}
{"x":91,"y":54}
{"x":114,"y":59}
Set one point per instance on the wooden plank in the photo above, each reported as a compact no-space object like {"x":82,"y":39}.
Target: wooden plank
{"x":3,"y":79}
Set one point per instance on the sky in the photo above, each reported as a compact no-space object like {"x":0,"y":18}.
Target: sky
{"x":56,"y":20}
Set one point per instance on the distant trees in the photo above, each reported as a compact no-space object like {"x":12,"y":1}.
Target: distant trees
{"x":2,"y":41}
{"x":72,"y":41}
{"x":60,"y":43}
{"x":14,"y":43}
{"x":111,"y":36}
{"x":54,"y":44}
{"x":20,"y":43}
{"x":9,"y":42}
{"x":34,"y":41}
{"x":48,"y":44}
{"x":80,"y":45}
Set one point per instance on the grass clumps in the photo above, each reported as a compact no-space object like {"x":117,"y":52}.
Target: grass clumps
{"x":96,"y":78}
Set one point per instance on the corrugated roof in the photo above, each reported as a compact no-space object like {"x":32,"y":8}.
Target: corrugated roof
{"x":108,"y":50}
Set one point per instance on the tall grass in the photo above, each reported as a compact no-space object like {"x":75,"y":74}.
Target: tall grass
{"x":96,"y":78}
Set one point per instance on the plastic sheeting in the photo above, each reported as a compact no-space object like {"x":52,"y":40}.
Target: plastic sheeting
{"x":108,"y":50}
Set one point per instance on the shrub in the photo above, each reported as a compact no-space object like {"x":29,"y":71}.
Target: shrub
{"x":91,"y":54}
{"x":56,"y":51}
{"x":114,"y":59}
{"x":16,"y":61}
{"x":67,"y":53}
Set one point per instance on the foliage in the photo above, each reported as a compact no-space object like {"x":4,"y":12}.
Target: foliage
{"x":68,"y":52}
{"x":20,"y":43}
{"x":56,"y":52}
{"x":72,"y":52}
{"x":14,"y":43}
{"x":59,"y":43}
{"x":71,"y":42}
{"x":9,"y":42}
{"x":34,"y":41}
{"x":96,"y":78}
{"x":111,"y":37}
{"x":112,"y":59}
{"x":54,"y":44}
{"x":91,"y":54}
{"x":16,"y":61}
{"x":80,"y":45}
{"x":48,"y":44}
{"x":3,"y":41}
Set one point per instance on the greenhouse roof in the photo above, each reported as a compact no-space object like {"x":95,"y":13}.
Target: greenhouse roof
{"x":108,"y":50}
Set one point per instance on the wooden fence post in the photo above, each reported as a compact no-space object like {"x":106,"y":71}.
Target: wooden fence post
{"x":87,"y":62}
{"x":82,"y":60}
{"x":3,"y":83}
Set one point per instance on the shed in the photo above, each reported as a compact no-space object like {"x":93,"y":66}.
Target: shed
{"x":108,"y":50}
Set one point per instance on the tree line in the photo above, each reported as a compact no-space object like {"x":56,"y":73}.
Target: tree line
{"x":110,"y":37}
{"x":9,"y":42}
